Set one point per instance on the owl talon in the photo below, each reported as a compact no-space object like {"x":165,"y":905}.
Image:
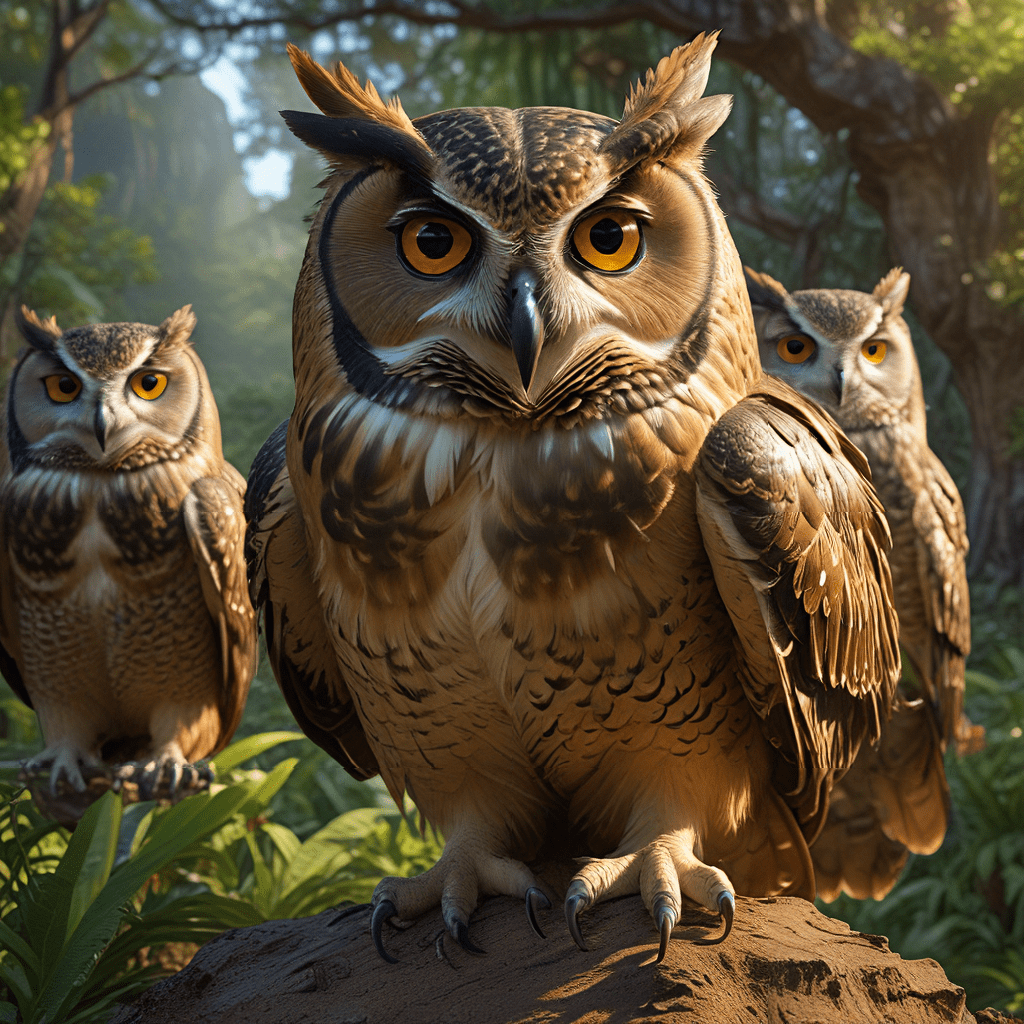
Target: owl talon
{"x":577,"y":899}
{"x":535,"y":898}
{"x":461,"y":935}
{"x":665,"y":917}
{"x":727,"y":908}
{"x":384,"y":911}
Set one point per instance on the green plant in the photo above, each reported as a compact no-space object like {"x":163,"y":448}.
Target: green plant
{"x":964,"y":905}
{"x":70,"y":917}
{"x":130,"y":883}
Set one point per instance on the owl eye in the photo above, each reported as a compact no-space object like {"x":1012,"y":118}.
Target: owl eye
{"x":795,"y":348}
{"x":149,"y":384}
{"x":609,"y":240}
{"x":62,"y":387}
{"x":434,"y":245}
{"x":874,"y":351}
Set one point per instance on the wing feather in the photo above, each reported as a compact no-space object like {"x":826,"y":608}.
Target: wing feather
{"x":282,"y":587}
{"x":215,"y":527}
{"x":10,"y":642}
{"x":940,"y":649}
{"x":798,"y":541}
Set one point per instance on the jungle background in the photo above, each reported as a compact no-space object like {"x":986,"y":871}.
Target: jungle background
{"x":864,"y":134}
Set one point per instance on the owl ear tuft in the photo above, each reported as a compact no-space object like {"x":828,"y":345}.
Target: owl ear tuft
{"x":355,"y":120}
{"x":40,"y":334}
{"x":765,"y":291}
{"x":339,"y":94}
{"x":177,"y":329}
{"x":891,"y":291}
{"x":665,"y":116}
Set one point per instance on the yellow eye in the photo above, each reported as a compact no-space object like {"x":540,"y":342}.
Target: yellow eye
{"x":873,"y":351}
{"x":795,"y":348}
{"x":608,"y":240}
{"x":62,"y":387}
{"x":434,"y":245}
{"x":148,"y":384}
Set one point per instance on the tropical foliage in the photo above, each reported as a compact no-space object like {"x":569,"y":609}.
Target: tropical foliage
{"x":964,"y":905}
{"x":90,"y":918}
{"x":156,"y":214}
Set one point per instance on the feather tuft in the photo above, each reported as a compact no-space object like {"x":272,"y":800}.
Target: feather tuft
{"x":339,"y":94}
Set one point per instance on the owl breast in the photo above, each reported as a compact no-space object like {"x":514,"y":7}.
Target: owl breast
{"x":107,"y":589}
{"x":452,"y":542}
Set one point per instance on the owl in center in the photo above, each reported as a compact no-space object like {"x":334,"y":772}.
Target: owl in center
{"x":539,"y":543}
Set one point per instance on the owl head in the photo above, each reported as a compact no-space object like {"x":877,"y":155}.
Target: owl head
{"x":523,"y":264}
{"x":850,"y":351}
{"x":108,"y":396}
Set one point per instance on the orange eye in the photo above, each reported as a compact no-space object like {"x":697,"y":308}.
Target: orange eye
{"x":148,"y":384}
{"x":874,"y":351}
{"x":608,"y":240}
{"x":434,"y":245}
{"x":795,"y":348}
{"x":62,"y":387}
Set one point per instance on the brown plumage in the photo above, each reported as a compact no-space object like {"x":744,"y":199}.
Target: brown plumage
{"x":852,"y":352}
{"x":538,"y":543}
{"x":125,"y":619}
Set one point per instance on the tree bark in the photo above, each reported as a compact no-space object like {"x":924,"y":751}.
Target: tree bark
{"x":784,"y":961}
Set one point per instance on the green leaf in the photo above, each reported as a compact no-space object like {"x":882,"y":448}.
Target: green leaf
{"x":263,"y":897}
{"x":246,"y":749}
{"x":287,"y":842}
{"x":98,"y":831}
{"x":19,"y":986}
{"x":13,"y":943}
{"x":267,"y":788}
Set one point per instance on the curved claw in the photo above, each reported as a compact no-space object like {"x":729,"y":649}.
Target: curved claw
{"x":535,"y":896}
{"x":727,"y":908}
{"x":577,"y":899}
{"x":462,"y":938}
{"x":665,"y":918}
{"x":381,"y":913}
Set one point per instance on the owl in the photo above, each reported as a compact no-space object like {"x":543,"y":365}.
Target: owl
{"x":539,"y":543}
{"x":125,"y":619}
{"x":852,"y":353}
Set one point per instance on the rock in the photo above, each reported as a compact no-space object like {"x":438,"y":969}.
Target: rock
{"x":784,"y":963}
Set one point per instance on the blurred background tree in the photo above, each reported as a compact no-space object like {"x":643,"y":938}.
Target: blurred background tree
{"x":864,"y":134}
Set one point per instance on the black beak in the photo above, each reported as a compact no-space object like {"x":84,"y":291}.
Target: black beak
{"x":525,"y":324}
{"x":99,"y":426}
{"x":837,"y":384}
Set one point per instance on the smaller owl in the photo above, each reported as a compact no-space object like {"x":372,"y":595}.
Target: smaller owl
{"x":852,"y":352}
{"x":125,"y":620}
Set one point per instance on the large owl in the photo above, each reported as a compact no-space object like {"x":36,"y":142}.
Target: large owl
{"x":539,"y":543}
{"x":125,"y":618}
{"x":852,"y":352}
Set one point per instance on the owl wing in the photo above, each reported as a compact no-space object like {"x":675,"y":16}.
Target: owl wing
{"x":282,"y":586}
{"x":939,"y":637}
{"x":10,"y":644}
{"x":215,"y":526}
{"x":797,"y":542}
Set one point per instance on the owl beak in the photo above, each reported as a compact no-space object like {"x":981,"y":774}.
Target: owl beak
{"x":525,"y":323}
{"x":99,"y":426}
{"x":837,"y":384}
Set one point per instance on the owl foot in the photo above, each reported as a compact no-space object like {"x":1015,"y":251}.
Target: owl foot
{"x":455,"y":882}
{"x":164,"y":778}
{"x":663,"y":872}
{"x":64,"y":765}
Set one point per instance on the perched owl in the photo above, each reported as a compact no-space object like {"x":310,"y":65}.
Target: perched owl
{"x":125,"y":619}
{"x":539,"y":542}
{"x":852,"y":352}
